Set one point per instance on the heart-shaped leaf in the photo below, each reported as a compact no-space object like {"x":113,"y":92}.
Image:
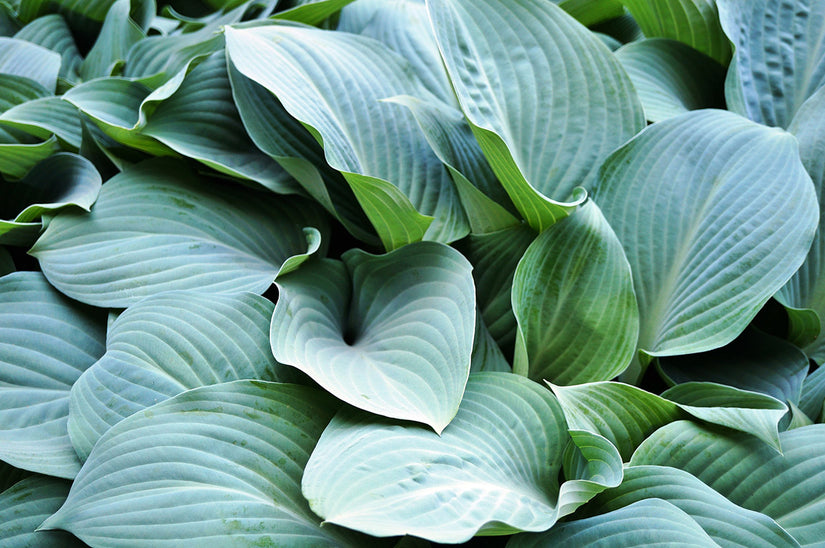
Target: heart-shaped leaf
{"x":46,"y":342}
{"x":190,"y":488}
{"x":158,"y":227}
{"x":494,"y":469}
{"x":391,"y":334}
{"x":483,"y":43}
{"x":787,"y":486}
{"x":361,"y":135}
{"x":166,"y":344}
{"x":715,"y":200}
{"x":574,"y":302}
{"x":779,"y":58}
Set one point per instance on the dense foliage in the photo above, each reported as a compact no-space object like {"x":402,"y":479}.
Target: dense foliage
{"x":393,"y":272}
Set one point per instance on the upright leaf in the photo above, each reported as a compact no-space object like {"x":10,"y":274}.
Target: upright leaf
{"x":545,"y":120}
{"x":158,"y":227}
{"x":715,"y":213}
{"x":46,"y":342}
{"x":362,"y":136}
{"x":118,"y":35}
{"x":390,"y":334}
{"x":574,"y":302}
{"x":779,"y":58}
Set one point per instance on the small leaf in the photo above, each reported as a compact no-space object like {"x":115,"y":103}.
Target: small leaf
{"x":390,"y":334}
{"x":158,"y":227}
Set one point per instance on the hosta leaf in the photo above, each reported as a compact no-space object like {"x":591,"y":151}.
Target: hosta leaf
{"x":391,"y":334}
{"x":52,"y":32}
{"x":644,"y":523}
{"x":813,"y":395}
{"x":118,"y":35}
{"x":16,"y":159}
{"x":672,"y":78}
{"x":779,"y":58}
{"x":485,"y":202}
{"x":574,"y":302}
{"x":483,"y":44}
{"x":166,"y":344}
{"x":486,"y":355}
{"x":158,"y":227}
{"x":46,"y":116}
{"x":493,"y":470}
{"x":805,"y":291}
{"x":495,"y":257}
{"x":591,"y":12}
{"x":694,"y":22}
{"x":9,"y":475}
{"x":288,"y":142}
{"x":787,"y":486}
{"x":362,"y":136}
{"x":591,"y":464}
{"x":21,"y":58}
{"x":727,"y":524}
{"x":190,"y":488}
{"x":626,"y":415}
{"x":403,"y":26}
{"x":86,"y":15}
{"x":755,"y":361}
{"x":312,"y":12}
{"x":723,"y":214}
{"x":59,"y":181}
{"x":200,"y":121}
{"x":24,"y":506}
{"x":46,"y":342}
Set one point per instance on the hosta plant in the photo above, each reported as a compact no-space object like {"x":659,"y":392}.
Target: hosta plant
{"x":411,"y":272}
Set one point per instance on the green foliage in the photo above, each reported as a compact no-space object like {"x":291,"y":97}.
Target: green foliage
{"x":401,"y":272}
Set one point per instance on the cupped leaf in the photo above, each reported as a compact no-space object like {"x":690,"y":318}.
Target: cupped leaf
{"x":672,"y":78}
{"x":391,"y":334}
{"x":693,"y":22}
{"x":166,"y":344}
{"x":404,"y":189}
{"x":24,"y":506}
{"x":158,"y":227}
{"x":45,"y":116}
{"x":494,"y":469}
{"x":569,"y":83}
{"x":727,"y":524}
{"x":787,"y":486}
{"x":21,"y":58}
{"x":59,"y":181}
{"x":118,"y":34}
{"x":46,"y":342}
{"x":191,"y":488}
{"x":574,"y":302}
{"x":804,"y":294}
{"x":715,"y":214}
{"x":644,"y":523}
{"x":755,"y":361}
{"x":200,"y":121}
{"x":779,"y":58}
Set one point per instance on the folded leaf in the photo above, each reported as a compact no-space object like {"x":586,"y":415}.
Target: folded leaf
{"x":391,"y":334}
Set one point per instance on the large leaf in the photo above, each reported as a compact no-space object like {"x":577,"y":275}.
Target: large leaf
{"x":45,"y":116}
{"x":574,"y":302}
{"x":755,"y":361}
{"x":779,"y":58}
{"x":694,"y":22}
{"x":200,"y":121}
{"x":24,"y":506}
{"x":569,"y":83}
{"x":805,"y":292}
{"x":158,"y":227}
{"x":118,"y":35}
{"x":715,"y":214}
{"x":494,"y":469}
{"x":391,"y":334}
{"x":377,"y":146}
{"x":787,"y":486}
{"x":166,"y":344}
{"x":641,"y":524}
{"x":59,"y":181}
{"x":672,"y":78}
{"x":21,"y":58}
{"x":46,"y":342}
{"x":729,"y":525}
{"x":191,"y":488}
